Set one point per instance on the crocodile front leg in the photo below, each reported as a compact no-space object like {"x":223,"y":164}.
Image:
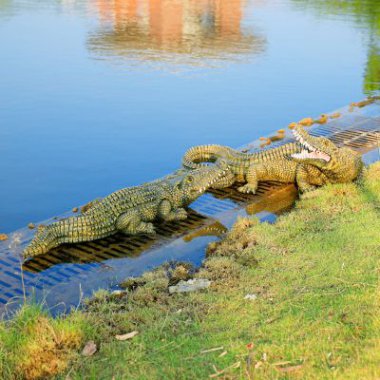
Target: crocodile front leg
{"x":131,"y":224}
{"x":252,"y":182}
{"x":167,"y":213}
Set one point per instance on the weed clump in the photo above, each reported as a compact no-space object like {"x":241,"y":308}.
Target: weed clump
{"x":224,"y":271}
{"x":237,"y":242}
{"x":181,"y":272}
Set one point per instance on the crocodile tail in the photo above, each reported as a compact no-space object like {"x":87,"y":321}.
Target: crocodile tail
{"x":197,"y":156}
{"x":44,"y":240}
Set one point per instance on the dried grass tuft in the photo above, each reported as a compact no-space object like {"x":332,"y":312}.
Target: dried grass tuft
{"x":47,"y":349}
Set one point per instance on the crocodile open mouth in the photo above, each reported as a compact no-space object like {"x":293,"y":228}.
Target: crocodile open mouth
{"x":309,"y":151}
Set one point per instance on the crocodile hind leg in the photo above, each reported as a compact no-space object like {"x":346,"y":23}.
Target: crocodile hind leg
{"x":131,"y":223}
{"x":252,"y":182}
{"x":167,"y":213}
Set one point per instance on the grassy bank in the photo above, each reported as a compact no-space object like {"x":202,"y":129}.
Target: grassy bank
{"x":314,"y":313}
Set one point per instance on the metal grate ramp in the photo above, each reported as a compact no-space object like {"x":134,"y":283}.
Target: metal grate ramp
{"x":69,"y":272}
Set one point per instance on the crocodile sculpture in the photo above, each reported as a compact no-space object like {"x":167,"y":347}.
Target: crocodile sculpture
{"x":131,"y":210}
{"x":309,"y":162}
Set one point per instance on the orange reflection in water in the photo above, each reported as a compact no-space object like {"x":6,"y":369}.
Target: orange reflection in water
{"x":166,"y":20}
{"x":198,"y":27}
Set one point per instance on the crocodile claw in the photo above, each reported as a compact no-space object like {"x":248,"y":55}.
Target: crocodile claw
{"x":149,"y":229}
{"x":247,"y":189}
{"x":181,"y":214}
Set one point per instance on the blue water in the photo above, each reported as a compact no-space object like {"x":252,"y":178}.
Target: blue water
{"x":99,"y":95}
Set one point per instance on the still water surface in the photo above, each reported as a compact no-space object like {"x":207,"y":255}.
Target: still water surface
{"x":99,"y":95}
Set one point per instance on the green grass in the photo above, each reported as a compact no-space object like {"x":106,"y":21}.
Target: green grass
{"x":316,"y":315}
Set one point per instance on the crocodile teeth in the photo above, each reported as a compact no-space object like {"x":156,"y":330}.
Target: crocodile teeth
{"x":309,"y":147}
{"x":316,"y":154}
{"x":303,"y":143}
{"x":301,"y":155}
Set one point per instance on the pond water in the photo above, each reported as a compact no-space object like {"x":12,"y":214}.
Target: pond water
{"x":101,"y":94}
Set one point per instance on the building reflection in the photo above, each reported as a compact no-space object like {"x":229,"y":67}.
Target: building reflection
{"x":150,"y":29}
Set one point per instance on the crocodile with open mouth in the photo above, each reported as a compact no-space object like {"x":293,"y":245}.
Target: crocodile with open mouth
{"x":131,"y":210}
{"x":309,"y":162}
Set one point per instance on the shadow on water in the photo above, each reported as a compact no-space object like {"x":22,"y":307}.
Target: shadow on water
{"x":176,"y":32}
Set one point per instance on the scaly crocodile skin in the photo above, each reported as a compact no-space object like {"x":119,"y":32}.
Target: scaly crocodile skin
{"x":130,"y":210}
{"x":239,"y":162}
{"x":311,"y":162}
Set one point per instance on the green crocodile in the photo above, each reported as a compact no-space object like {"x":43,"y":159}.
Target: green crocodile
{"x":309,"y":162}
{"x":238,"y":162}
{"x":130,"y":210}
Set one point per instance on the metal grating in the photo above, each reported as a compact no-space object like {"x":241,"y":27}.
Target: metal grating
{"x":70,"y":271}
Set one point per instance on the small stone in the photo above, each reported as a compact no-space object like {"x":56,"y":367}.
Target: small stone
{"x":89,"y":349}
{"x":75,"y":209}
{"x":323,"y":119}
{"x":31,"y":226}
{"x":3,"y":237}
{"x":250,"y":297}
{"x":190,"y":285}
{"x":306,"y":122}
